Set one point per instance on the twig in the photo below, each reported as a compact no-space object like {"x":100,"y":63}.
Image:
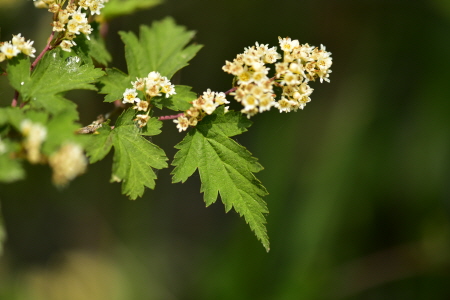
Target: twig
{"x":47,"y":48}
{"x":171,"y":117}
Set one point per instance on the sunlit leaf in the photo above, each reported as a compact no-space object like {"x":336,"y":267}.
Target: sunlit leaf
{"x":225,"y":167}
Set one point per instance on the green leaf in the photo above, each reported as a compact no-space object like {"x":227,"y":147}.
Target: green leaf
{"x":134,"y":156}
{"x":10,"y":169}
{"x":61,"y":129}
{"x":161,"y":48}
{"x":100,"y":143}
{"x":92,"y":49}
{"x":116,"y":8}
{"x":225,"y":168}
{"x":181,"y":101}
{"x":11,"y":115}
{"x":53,"y":76}
{"x":114,"y":84}
{"x":98,"y":50}
{"x":18,"y":69}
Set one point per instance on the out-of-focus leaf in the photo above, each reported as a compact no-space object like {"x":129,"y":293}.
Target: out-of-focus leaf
{"x":116,"y":8}
{"x":10,"y":169}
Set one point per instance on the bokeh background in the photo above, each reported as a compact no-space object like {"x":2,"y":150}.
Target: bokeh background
{"x":359,"y":181}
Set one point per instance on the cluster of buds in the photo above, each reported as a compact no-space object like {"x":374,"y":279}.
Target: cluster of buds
{"x":202,"y":106}
{"x":17,"y":45}
{"x":301,"y":64}
{"x":71,"y":20}
{"x":35,"y":134}
{"x":154,"y":85}
{"x":67,"y":163}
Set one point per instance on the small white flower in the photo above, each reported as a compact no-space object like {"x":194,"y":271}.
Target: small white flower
{"x":182,"y":123}
{"x":141,"y":105}
{"x":66,"y":45}
{"x":221,"y":98}
{"x":95,"y":7}
{"x":130,"y":96}
{"x":9,"y":50}
{"x":153,"y":77}
{"x":139,"y":84}
{"x":79,"y":17}
{"x":287,"y":45}
{"x":142,"y":120}
{"x":28,"y":48}
{"x":74,"y":27}
{"x":285,"y":105}
{"x":167,"y":88}
{"x":250,"y":102}
{"x":209,"y":107}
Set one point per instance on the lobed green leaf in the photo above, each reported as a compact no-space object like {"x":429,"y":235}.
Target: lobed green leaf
{"x":163,"y":48}
{"x":52,"y":76}
{"x":225,"y":167}
{"x":134,"y":156}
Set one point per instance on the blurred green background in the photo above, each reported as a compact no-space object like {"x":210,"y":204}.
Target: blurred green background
{"x":359,"y":181}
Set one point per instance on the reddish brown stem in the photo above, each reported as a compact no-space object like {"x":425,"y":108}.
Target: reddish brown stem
{"x":15,"y":99}
{"x":231,"y":90}
{"x":47,"y":48}
{"x":171,"y":117}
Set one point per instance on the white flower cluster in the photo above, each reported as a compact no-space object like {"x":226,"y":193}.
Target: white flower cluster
{"x":35,"y":134}
{"x":255,"y":88}
{"x":72,"y":20}
{"x":151,"y":86}
{"x":17,"y":45}
{"x":301,"y":64}
{"x":203,"y":105}
{"x":67,"y":163}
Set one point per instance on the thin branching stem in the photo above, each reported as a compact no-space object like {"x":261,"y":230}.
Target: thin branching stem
{"x":47,"y":48}
{"x":171,"y":117}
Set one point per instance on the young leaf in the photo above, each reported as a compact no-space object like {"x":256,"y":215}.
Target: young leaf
{"x":161,"y":48}
{"x":53,"y":76}
{"x":164,"y":46}
{"x":114,"y":84}
{"x":225,"y":168}
{"x":134,"y":156}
